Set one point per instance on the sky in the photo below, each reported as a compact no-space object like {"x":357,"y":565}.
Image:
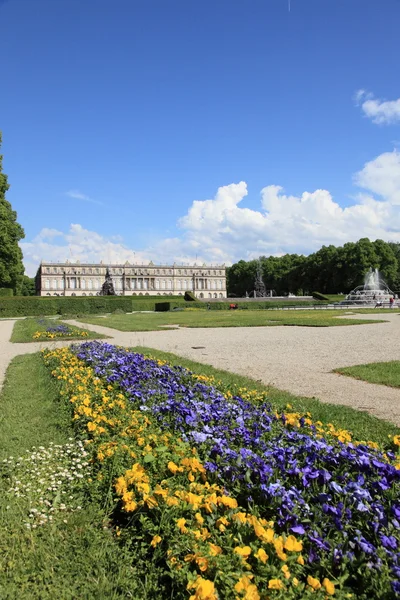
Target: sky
{"x":187,"y":131}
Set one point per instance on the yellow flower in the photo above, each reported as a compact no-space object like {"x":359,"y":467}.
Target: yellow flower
{"x":275,"y":584}
{"x":314,"y":583}
{"x":202,"y":563}
{"x":261,"y":555}
{"x":173,"y":467}
{"x":199,"y":518}
{"x":204,"y":589}
{"x":181,"y":525}
{"x":329,"y":586}
{"x":156,"y":540}
{"x":243,"y":551}
{"x":214,"y":549}
{"x":300,"y":560}
{"x":227,"y":501}
{"x":295,"y":581}
{"x":293,"y":545}
{"x":244,"y":585}
{"x":286,"y":572}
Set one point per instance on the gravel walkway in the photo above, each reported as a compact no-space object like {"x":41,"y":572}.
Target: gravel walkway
{"x":296,"y":359}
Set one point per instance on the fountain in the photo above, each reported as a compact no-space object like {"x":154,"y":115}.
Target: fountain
{"x":259,"y":285}
{"x":374,"y":291}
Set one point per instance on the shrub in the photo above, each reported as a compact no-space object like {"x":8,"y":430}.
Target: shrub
{"x":189,"y":297}
{"x":162,"y":306}
{"x":166,"y":306}
{"x":30,"y":306}
{"x":319,"y":296}
{"x":143,"y":305}
{"x":6,"y":292}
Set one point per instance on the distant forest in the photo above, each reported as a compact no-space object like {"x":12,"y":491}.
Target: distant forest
{"x":330,"y":270}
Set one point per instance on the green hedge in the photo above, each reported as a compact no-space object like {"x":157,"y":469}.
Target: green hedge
{"x":6,"y":292}
{"x":29,"y":306}
{"x":319,"y":296}
{"x":163,"y":306}
{"x":189,"y":297}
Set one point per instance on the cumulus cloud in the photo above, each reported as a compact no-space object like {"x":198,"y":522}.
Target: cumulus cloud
{"x":223,"y":230}
{"x":379,"y":111}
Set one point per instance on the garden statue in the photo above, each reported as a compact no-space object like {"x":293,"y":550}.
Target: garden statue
{"x":107,"y":289}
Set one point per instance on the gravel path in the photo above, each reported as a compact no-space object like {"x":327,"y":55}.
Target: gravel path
{"x":296,"y":359}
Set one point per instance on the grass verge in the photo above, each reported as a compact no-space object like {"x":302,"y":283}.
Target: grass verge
{"x":24,"y":330}
{"x":259,"y":318}
{"x":362,"y":425}
{"x":384,"y":373}
{"x":79,"y":559}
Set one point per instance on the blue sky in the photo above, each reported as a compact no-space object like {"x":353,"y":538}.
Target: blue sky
{"x":137,"y":130}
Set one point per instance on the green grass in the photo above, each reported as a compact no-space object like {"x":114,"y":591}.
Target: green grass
{"x":362,"y":425}
{"x":239,"y":318}
{"x":384,"y":373}
{"x":80,"y":559}
{"x":335,"y":297}
{"x":25,"y":328}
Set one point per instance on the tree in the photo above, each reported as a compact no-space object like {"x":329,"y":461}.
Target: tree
{"x":11,"y":267}
{"x":26,"y":286}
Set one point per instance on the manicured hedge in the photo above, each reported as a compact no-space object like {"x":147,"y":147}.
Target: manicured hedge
{"x":6,"y":292}
{"x":34,"y":305}
{"x":189,"y":297}
{"x":163,"y":306}
{"x":319,"y":296}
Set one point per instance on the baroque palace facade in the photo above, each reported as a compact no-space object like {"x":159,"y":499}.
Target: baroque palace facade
{"x":79,"y":279}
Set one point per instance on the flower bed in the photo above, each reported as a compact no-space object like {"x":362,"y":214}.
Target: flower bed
{"x":238,"y":501}
{"x":57,"y":331}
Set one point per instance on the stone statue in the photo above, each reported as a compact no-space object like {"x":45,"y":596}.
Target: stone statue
{"x":107,"y":289}
{"x":259,"y":285}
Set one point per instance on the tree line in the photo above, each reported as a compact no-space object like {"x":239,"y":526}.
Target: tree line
{"x":330,"y":270}
{"x":12,"y":276}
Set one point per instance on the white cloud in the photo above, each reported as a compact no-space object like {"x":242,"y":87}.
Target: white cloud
{"x":222,"y":230}
{"x":379,"y":111}
{"x":77,"y":195}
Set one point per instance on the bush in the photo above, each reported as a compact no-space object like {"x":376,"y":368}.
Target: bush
{"x":162,"y":306}
{"x":29,"y":306}
{"x":319,"y":296}
{"x":166,"y":306}
{"x":190,"y":297}
{"x":6,"y":292}
{"x":141,"y":305}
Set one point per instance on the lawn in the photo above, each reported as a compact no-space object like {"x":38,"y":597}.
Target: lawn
{"x":60,"y":560}
{"x":384,"y":373}
{"x":224,"y":318}
{"x":25,"y":329}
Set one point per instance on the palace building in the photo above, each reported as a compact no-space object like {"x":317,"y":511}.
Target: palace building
{"x":81,"y":279}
